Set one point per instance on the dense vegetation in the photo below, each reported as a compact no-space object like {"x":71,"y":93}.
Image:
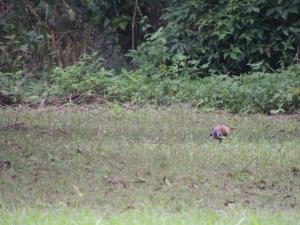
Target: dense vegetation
{"x":87,"y":79}
{"x":152,"y":51}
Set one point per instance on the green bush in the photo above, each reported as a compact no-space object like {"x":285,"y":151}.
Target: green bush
{"x":10,"y":85}
{"x":154,"y":58}
{"x":256,"y":92}
{"x":235,"y":36}
{"x":22,"y":86}
{"x":86,"y":77}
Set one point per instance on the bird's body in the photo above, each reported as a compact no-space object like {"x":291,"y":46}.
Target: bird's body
{"x":220,"y":131}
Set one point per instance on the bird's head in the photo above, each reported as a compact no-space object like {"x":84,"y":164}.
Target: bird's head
{"x":216,"y":134}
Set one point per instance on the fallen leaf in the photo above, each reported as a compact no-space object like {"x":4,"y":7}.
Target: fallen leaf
{"x":166,"y":181}
{"x":79,"y":193}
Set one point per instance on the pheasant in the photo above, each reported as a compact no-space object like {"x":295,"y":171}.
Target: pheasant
{"x":220,"y":131}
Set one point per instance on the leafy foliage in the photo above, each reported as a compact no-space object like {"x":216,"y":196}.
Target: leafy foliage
{"x":169,"y":51}
{"x":86,"y":77}
{"x":38,"y":35}
{"x":257,"y":92}
{"x":236,"y":36}
{"x":224,"y":36}
{"x":153,"y":58}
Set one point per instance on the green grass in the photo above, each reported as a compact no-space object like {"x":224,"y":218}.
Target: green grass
{"x":111,"y":160}
{"x":145,"y":217}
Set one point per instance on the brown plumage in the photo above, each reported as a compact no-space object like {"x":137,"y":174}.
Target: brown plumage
{"x":220,"y":131}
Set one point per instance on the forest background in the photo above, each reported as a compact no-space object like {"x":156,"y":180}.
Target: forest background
{"x":234,"y":55}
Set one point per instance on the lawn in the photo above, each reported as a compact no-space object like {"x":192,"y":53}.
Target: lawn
{"x":116,"y":162}
{"x":146,"y":217}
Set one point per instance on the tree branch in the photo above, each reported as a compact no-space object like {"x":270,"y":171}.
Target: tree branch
{"x":133,"y":22}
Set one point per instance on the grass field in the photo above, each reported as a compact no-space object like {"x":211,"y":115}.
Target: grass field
{"x":118,"y":162}
{"x":146,"y":217}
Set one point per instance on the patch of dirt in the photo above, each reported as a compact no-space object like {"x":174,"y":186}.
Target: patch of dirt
{"x":116,"y":182}
{"x":5,"y":165}
{"x":15,"y":126}
{"x":285,"y":117}
{"x":23,"y":127}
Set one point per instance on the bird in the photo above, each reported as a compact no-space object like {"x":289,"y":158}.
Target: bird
{"x":220,"y":131}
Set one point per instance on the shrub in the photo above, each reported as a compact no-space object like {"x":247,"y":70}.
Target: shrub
{"x":252,"y":93}
{"x":258,"y":92}
{"x":154,"y":58}
{"x":9,"y":88}
{"x":235,"y":36}
{"x":86,"y":77}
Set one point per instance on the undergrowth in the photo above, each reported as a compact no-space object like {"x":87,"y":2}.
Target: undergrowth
{"x":255,"y":93}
